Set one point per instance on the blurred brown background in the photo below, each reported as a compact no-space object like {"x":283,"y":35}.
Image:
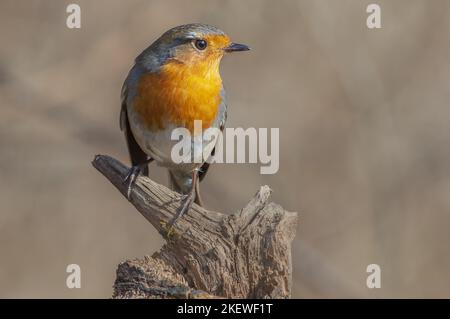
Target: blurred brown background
{"x":364,"y":122}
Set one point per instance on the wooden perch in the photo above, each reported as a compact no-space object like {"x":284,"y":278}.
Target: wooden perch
{"x":210,"y":254}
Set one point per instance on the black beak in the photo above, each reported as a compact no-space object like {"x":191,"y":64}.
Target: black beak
{"x":233,"y":47}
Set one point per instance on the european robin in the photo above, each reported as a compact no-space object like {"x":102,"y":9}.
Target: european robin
{"x":175,"y":81}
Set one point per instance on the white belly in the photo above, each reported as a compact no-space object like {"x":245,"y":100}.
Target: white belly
{"x":160,"y":145}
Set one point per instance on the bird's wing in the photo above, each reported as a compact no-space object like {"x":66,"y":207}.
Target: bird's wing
{"x":137,"y":155}
{"x":221,"y":118}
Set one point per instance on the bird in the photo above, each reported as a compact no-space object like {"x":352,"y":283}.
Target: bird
{"x":173,"y":83}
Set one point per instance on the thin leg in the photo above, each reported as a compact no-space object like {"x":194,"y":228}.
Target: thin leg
{"x":133,"y":174}
{"x":198,"y":197}
{"x":187,"y":202}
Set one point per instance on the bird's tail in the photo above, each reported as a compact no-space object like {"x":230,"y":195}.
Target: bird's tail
{"x":181,"y":182}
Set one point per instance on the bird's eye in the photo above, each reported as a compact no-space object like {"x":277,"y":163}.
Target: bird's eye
{"x":201,"y":44}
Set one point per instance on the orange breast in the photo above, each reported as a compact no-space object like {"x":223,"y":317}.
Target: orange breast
{"x":178,"y":95}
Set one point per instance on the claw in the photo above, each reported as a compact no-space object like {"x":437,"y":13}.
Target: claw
{"x":131,"y":177}
{"x":186,"y":205}
{"x":133,"y":174}
{"x":186,"y":202}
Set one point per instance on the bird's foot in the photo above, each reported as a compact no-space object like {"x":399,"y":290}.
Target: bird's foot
{"x":131,"y":178}
{"x":186,"y":203}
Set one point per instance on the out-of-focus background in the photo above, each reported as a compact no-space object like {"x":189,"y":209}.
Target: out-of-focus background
{"x":364,"y":120}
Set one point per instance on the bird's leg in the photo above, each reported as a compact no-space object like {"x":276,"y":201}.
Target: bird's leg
{"x":187,"y":201}
{"x":133,"y":174}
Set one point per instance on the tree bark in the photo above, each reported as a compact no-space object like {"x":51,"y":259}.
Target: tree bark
{"x":210,"y":254}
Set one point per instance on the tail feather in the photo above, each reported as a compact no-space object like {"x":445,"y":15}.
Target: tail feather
{"x":178,"y":182}
{"x":181,"y":183}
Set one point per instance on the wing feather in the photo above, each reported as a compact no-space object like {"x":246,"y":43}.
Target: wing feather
{"x":221,"y":118}
{"x":137,"y":155}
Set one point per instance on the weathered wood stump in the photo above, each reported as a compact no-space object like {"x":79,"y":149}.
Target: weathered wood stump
{"x":209,"y":254}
